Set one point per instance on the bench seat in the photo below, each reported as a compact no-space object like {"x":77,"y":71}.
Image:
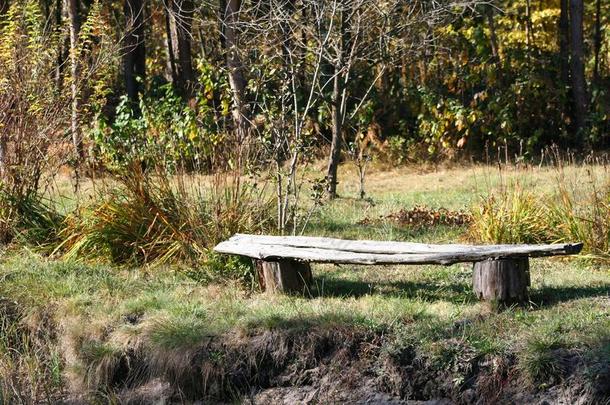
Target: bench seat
{"x":500,"y":272}
{"x":341,"y":251}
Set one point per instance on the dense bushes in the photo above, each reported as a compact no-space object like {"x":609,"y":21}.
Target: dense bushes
{"x":161,"y":130}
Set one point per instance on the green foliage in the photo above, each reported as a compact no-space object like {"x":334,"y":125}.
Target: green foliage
{"x":443,"y":121}
{"x":163,"y":131}
{"x":471,"y":96}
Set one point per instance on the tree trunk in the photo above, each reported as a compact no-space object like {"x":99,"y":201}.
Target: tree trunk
{"x":564,"y":40}
{"x":335,"y":147}
{"x":337,"y":110}
{"x":501,"y":280}
{"x":529,"y":30}
{"x":179,"y":23}
{"x":64,"y":45}
{"x":597,"y":41}
{"x":493,"y":39}
{"x":237,"y":82}
{"x":171,"y":72}
{"x":3,"y":8}
{"x":285,"y":276}
{"x":77,"y":141}
{"x":579,"y":86}
{"x":134,"y":59}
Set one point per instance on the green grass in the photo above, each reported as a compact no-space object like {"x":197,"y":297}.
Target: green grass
{"x":167,"y":313}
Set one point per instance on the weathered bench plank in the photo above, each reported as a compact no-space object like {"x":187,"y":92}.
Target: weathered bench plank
{"x":500,"y":274}
{"x":390,"y":247}
{"x":328,"y":250}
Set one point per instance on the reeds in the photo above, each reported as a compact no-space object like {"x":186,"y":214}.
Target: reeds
{"x":155,"y":218}
{"x":577,"y":208}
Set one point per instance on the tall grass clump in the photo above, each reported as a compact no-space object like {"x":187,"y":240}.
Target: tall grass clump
{"x":576,"y":208}
{"x":30,"y":220}
{"x":580,"y":210}
{"x":155,"y":218}
{"x":30,"y":365}
{"x":510,"y":215}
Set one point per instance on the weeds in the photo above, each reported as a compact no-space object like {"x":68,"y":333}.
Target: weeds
{"x":30,"y":366}
{"x":30,"y":220}
{"x":156,"y":219}
{"x":512,"y":215}
{"x":577,"y":210}
{"x":583,"y":213}
{"x":541,"y":361}
{"x":122,"y":328}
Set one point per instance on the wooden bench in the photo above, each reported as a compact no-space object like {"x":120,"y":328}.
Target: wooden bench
{"x":500,"y":272}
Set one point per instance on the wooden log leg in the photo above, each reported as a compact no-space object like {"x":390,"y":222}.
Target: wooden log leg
{"x":285,"y":276}
{"x":502,"y":280}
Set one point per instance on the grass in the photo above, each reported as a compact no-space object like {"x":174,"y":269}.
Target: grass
{"x":107,"y":313}
{"x":164,"y":322}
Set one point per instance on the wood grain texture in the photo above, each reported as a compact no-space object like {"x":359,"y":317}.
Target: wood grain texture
{"x":286,"y":276}
{"x":329,"y":250}
{"x":503,"y":280}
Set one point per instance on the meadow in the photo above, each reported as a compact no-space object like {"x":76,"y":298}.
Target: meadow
{"x":77,"y":329}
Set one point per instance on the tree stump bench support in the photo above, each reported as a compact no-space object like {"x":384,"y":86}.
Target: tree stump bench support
{"x":501,"y":280}
{"x":500,"y":272}
{"x":287,"y":276}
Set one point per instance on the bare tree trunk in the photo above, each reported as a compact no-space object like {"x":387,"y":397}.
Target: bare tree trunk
{"x":335,"y":147}
{"x":529,"y":30}
{"x":337,"y":108}
{"x":493,"y":39}
{"x":564,"y":41}
{"x":77,"y":141}
{"x":171,"y":73}
{"x":3,"y":7}
{"x":237,"y":82}
{"x":579,"y":86}
{"x":134,"y":59}
{"x":64,"y":47}
{"x":597,"y":40}
{"x":564,"y":60}
{"x":179,"y":22}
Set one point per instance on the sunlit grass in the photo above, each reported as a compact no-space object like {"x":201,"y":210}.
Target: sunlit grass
{"x":166,"y":313}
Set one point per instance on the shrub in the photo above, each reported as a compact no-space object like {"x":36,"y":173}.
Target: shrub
{"x":511,"y":215}
{"x":155,"y":219}
{"x":162,"y":130}
{"x":33,"y":113}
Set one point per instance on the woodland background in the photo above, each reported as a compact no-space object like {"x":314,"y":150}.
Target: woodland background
{"x":204,"y":85}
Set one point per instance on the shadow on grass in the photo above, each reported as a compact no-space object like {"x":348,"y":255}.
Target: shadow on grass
{"x":459,"y":293}
{"x":328,"y":286}
{"x":549,"y":296}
